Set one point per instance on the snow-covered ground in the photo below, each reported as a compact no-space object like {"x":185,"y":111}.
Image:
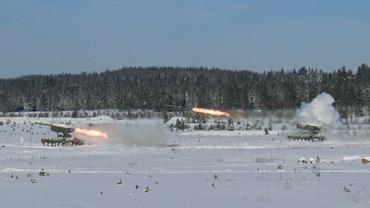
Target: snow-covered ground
{"x":194,"y":169}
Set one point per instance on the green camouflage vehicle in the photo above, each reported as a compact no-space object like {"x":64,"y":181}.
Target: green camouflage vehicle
{"x":64,"y":136}
{"x":307,"y":132}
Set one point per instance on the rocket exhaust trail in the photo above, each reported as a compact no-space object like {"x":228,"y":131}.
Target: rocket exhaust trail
{"x":211,"y":112}
{"x":92,"y":133}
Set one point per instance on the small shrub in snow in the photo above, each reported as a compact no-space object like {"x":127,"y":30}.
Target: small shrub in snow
{"x":181,"y":125}
{"x":43,"y":173}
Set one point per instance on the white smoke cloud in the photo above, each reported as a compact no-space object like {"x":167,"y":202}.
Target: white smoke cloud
{"x":132,"y":133}
{"x":319,"y":111}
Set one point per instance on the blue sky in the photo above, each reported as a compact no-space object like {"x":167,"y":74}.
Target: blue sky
{"x":45,"y":36}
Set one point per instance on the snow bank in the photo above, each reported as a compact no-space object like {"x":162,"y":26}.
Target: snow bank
{"x":174,"y":119}
{"x":225,"y":133}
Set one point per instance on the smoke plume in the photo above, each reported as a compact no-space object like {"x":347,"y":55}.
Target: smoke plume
{"x":132,"y":133}
{"x":319,"y":111}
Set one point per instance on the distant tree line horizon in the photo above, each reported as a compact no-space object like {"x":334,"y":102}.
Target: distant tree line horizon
{"x":181,"y":88}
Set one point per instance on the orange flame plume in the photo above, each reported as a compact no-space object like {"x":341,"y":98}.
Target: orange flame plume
{"x":93,"y":133}
{"x":210,"y":112}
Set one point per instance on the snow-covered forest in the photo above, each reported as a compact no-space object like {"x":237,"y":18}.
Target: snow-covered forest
{"x":172,"y":89}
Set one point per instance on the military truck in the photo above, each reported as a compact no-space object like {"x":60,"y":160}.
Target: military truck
{"x":64,"y":136}
{"x":307,"y":132}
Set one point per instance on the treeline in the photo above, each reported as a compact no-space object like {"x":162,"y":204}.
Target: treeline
{"x":179,"y":89}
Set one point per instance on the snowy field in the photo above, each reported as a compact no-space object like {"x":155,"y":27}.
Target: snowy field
{"x":190,"y":169}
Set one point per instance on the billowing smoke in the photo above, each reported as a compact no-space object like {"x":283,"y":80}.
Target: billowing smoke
{"x":145,"y":133}
{"x":319,"y":111}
